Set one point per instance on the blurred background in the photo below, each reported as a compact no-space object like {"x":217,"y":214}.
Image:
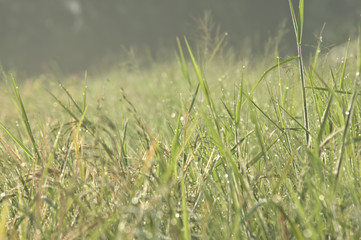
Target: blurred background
{"x":71,"y":36}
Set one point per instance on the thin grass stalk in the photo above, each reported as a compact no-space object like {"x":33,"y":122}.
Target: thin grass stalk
{"x":298,"y":27}
{"x":302,"y":77}
{"x":84,"y":91}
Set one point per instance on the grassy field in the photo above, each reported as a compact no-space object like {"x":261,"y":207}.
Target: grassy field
{"x":205,"y":146}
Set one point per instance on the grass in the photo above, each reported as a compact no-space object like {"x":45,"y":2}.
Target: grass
{"x":188,"y":149}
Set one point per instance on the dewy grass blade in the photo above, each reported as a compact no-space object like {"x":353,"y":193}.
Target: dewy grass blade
{"x":316,"y":95}
{"x":70,"y":97}
{"x":261,"y":153}
{"x":269,"y":70}
{"x":204,"y":86}
{"x":298,"y":27}
{"x":350,"y":109}
{"x":294,"y":119}
{"x":349,"y":114}
{"x":25,"y":118}
{"x":65,"y":108}
{"x":343,"y":72}
{"x":263,"y":112}
{"x":259,"y":134}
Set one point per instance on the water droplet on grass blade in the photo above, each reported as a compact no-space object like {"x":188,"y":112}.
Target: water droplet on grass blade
{"x":321,"y":197}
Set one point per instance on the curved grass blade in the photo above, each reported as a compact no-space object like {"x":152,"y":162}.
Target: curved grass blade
{"x":269,"y":70}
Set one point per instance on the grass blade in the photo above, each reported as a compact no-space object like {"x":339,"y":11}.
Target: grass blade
{"x":183,"y":64}
{"x":18,"y":142}
{"x":298,"y":27}
{"x":84,"y":92}
{"x":187,"y":232}
{"x":269,"y":70}
{"x":25,"y":119}
{"x":239,"y":103}
{"x":172,"y":167}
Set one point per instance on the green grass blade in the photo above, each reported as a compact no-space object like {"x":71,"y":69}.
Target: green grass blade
{"x":296,"y":121}
{"x":359,"y":53}
{"x":201,"y":80}
{"x":193,"y":99}
{"x":203,"y":84}
{"x":264,"y":114}
{"x":262,"y":152}
{"x":64,"y":107}
{"x":216,"y":49}
{"x":296,"y":231}
{"x":269,"y":70}
{"x":324,"y":120}
{"x":343,"y":71}
{"x":300,"y":20}
{"x":349,"y":115}
{"x":259,"y":134}
{"x":18,"y":142}
{"x":350,"y":109}
{"x":239,"y":103}
{"x":183,"y":64}
{"x":172,"y":166}
{"x":298,"y":27}
{"x":84,"y":91}
{"x":80,"y":122}
{"x":294,"y":19}
{"x":70,"y":97}
{"x":228,"y":110}
{"x":25,"y":118}
{"x":187,"y":232}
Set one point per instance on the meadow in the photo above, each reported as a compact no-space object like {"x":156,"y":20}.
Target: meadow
{"x":204,"y":146}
